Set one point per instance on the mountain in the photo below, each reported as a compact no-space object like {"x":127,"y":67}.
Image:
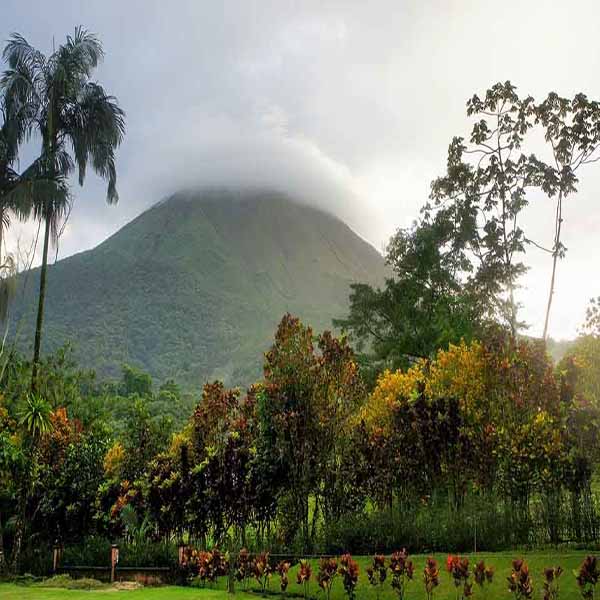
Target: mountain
{"x":193,"y":288}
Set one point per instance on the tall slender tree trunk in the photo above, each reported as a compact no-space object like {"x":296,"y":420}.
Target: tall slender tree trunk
{"x":2,"y":556}
{"x":19,"y":527}
{"x":1,"y":232}
{"x":40,"y":313}
{"x":555,"y":254}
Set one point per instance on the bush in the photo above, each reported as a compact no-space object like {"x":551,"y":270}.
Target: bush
{"x":93,"y":551}
{"x":37,"y":559}
{"x":422,"y":528}
{"x":149,"y":554}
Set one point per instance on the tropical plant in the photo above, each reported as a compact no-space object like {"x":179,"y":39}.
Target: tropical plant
{"x":244,"y":567}
{"x":262,"y":570}
{"x":402,"y":570}
{"x":282,"y":568}
{"x":303,"y":577}
{"x":459,"y":570}
{"x":587,"y":577}
{"x":519,"y":581}
{"x":11,"y":201}
{"x":550,"y":586}
{"x":483,"y":575}
{"x":349,"y":570}
{"x":431,"y":576}
{"x":35,"y":417}
{"x":377,"y":572}
{"x":69,"y":111}
{"x":326,"y":574}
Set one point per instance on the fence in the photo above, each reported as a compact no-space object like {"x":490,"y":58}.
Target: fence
{"x":112,"y":572}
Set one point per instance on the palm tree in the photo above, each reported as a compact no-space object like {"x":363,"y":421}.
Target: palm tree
{"x":76,"y":121}
{"x":14,"y":198}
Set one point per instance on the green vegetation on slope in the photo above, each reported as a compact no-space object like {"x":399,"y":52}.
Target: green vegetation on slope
{"x":193,"y":288}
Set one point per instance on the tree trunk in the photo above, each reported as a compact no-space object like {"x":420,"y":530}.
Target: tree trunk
{"x":550,"y":296}
{"x":555,"y":254}
{"x":1,"y":232}
{"x":19,"y":531}
{"x":2,"y":556}
{"x":40,"y":313}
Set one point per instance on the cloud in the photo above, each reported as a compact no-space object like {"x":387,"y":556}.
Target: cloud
{"x":349,"y":105}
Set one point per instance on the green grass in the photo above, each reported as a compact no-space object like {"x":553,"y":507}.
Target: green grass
{"x":16,"y":592}
{"x":501,"y":561}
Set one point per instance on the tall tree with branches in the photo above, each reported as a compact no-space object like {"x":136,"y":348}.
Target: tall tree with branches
{"x":572,"y":130}
{"x":484,"y":192}
{"x":77,"y":121}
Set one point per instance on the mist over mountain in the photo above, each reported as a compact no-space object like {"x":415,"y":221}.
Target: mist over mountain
{"x":194,"y":287}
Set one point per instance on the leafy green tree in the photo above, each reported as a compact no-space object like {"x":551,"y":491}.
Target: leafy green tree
{"x":143,"y":437}
{"x":425,"y":305}
{"x":483,"y":193}
{"x":306,"y":401}
{"x":70,"y":473}
{"x":135,"y":382}
{"x":77,"y":122}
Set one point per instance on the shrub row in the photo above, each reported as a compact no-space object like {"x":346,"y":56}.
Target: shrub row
{"x":395,"y":573}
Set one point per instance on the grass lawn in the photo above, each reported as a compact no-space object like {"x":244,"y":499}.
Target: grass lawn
{"x":446,"y":591}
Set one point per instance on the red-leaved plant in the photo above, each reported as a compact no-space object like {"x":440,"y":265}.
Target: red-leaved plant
{"x":402,"y":570}
{"x":483,"y":575}
{"x":349,"y":571}
{"x":377,"y":573}
{"x":303,"y":576}
{"x":551,"y":588}
{"x":244,"y":568}
{"x":459,"y":570}
{"x":261,"y":569}
{"x":519,"y":582}
{"x":587,"y":577}
{"x":431,"y":576}
{"x":282,"y":569}
{"x":328,"y":568}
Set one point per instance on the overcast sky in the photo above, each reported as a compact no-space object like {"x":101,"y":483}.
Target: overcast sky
{"x":350,"y":104}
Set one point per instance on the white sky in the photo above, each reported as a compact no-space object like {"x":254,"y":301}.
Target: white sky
{"x":350,"y":104}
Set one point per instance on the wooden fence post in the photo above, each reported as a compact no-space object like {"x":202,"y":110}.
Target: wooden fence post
{"x":56,"y":556}
{"x":114,"y":559}
{"x":181,"y":553}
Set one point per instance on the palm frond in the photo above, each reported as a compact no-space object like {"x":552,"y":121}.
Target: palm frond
{"x":19,"y":51}
{"x":79,"y":56}
{"x":8,"y":285}
{"x":97,"y":127}
{"x":23,"y":90}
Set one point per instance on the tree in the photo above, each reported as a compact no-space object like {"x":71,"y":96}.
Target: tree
{"x":305,"y":402}
{"x":425,"y":305}
{"x":9,"y":139}
{"x":77,"y":122}
{"x":572,"y":130}
{"x":592,"y":318}
{"x":484,"y":191}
